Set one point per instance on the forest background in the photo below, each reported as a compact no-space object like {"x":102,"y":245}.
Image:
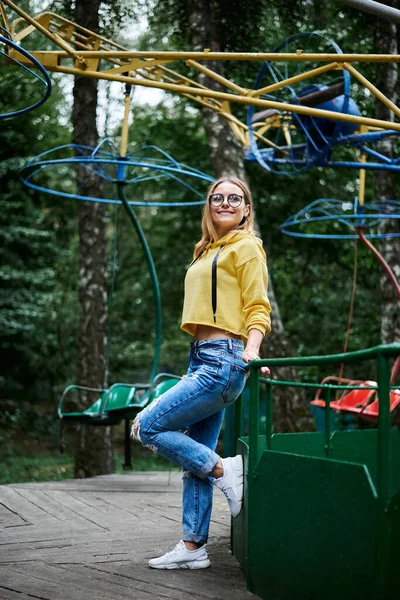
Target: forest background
{"x":39,"y":239}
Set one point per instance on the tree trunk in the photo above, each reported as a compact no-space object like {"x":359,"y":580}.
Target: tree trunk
{"x":386,"y":81}
{"x":93,"y":453}
{"x":290,"y":408}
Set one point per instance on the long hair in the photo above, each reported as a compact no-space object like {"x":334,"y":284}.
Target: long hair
{"x":209,"y":234}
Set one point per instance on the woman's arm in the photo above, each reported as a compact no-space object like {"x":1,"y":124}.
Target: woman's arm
{"x":252,"y":348}
{"x":253,"y":281}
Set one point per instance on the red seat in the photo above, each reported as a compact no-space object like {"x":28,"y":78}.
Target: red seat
{"x":359,"y":401}
{"x":329,"y":379}
{"x":355,"y":401}
{"x":350,"y":402}
{"x":371,"y":413}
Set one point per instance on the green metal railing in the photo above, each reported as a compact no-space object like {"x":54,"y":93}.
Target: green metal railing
{"x":382,"y":355}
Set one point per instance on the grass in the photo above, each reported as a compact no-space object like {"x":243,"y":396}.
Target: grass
{"x":21,"y":469}
{"x":29,"y":450}
{"x":56,"y":467}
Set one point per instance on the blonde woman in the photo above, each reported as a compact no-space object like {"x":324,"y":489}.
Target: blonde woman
{"x":226,"y":310}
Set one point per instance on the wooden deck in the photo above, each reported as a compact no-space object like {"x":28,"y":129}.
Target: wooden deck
{"x":90,"y":539}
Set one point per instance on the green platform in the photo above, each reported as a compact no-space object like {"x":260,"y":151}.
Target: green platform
{"x":321,"y":516}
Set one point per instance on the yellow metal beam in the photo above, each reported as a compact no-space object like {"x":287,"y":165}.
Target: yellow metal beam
{"x":213,"y":75}
{"x":58,"y":40}
{"x":361,"y":187}
{"x":3,"y":15}
{"x":148,"y":69}
{"x":243,"y":100}
{"x":119,"y":52}
{"x":125,"y":126}
{"x":240,"y":56}
{"x":291,"y":80}
{"x":378,"y":94}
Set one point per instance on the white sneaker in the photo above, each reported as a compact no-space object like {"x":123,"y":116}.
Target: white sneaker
{"x":231,"y":483}
{"x":182,"y":558}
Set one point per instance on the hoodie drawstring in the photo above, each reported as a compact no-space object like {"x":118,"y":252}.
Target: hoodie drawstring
{"x":214,"y":283}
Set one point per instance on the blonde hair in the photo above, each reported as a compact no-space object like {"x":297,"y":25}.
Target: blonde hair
{"x":209,"y":234}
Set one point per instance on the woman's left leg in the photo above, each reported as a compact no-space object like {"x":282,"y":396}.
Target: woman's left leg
{"x":197,"y":396}
{"x":197,"y":493}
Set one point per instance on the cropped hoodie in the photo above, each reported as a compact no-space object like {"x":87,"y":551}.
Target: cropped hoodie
{"x":226,"y":287}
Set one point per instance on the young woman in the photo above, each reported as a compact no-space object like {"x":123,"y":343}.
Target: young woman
{"x":226,"y":310}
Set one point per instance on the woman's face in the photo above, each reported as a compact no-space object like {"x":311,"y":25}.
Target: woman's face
{"x":227,"y":216}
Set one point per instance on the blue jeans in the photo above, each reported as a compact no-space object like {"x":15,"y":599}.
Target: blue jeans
{"x":215,"y":378}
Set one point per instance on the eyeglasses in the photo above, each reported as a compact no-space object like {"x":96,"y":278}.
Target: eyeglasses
{"x":234,"y":200}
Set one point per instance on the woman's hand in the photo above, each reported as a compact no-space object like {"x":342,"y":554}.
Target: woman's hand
{"x":251,"y":351}
{"x":249,"y":355}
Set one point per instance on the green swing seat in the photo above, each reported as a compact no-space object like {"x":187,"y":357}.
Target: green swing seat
{"x":120,"y":401}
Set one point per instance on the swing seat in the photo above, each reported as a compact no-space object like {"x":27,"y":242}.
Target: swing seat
{"x":118,"y":398}
{"x":356,"y":401}
{"x":120,"y":401}
{"x":94,"y":415}
{"x":124,"y":401}
{"x":163,"y":387}
{"x":151,"y":395}
{"x":93,"y":412}
{"x":371,"y":413}
{"x":352,"y":402}
{"x":359,"y":401}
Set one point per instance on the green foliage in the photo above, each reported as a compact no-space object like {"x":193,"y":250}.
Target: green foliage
{"x":35,"y":468}
{"x":39,"y":308}
{"x":113,"y":14}
{"x":23,"y":469}
{"x":28,"y":244}
{"x":171,"y":234}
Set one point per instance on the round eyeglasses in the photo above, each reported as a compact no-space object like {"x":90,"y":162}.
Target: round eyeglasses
{"x":234,"y":200}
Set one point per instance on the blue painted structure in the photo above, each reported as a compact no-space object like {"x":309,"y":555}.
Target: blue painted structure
{"x":42,"y":75}
{"x":315,"y":142}
{"x":104,"y":161}
{"x":344,"y":219}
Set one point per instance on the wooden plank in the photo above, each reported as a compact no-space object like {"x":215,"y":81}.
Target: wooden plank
{"x":92,"y":539}
{"x":58,"y":583}
{"x":24,"y":507}
{"x":204,"y":584}
{"x":10,"y":594}
{"x":134,"y":483}
{"x":11,"y":518}
{"x":57,"y":510}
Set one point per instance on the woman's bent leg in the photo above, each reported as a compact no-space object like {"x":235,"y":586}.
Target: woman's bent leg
{"x":196,"y":397}
{"x":197,"y":493}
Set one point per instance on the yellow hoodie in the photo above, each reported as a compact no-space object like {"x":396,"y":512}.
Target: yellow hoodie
{"x":226,"y":287}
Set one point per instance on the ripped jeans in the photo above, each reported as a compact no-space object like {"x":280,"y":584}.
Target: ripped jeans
{"x":215,"y":378}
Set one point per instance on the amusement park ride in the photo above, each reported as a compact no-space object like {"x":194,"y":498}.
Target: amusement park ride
{"x":321,"y":500}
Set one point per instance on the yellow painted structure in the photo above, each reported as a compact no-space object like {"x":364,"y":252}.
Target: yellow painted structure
{"x":79,"y":51}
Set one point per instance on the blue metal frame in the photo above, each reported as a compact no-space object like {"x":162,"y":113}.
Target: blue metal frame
{"x":325,"y":210}
{"x":156,"y":164}
{"x":313,"y":152}
{"x":6,"y":39}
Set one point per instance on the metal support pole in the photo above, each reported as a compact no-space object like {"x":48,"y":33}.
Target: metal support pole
{"x":238,"y":417}
{"x":229,"y":432}
{"x":383,"y":262}
{"x":253,"y":420}
{"x":383,"y":475}
{"x":153,"y":275}
{"x":361,"y":189}
{"x":127,"y":447}
{"x":3,"y":16}
{"x":125,"y":122}
{"x":375,"y":8}
{"x":268,"y":414}
{"x":328,"y":423}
